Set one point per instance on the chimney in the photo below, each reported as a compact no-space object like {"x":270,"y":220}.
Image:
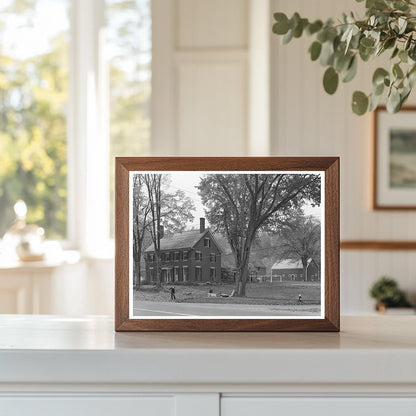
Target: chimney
{"x":161,"y":231}
{"x":201,"y":225}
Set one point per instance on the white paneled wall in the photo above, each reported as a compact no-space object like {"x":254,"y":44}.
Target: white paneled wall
{"x":305,"y":121}
{"x":203,"y":67}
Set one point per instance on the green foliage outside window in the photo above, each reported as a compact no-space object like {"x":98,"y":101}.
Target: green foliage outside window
{"x":33,"y":100}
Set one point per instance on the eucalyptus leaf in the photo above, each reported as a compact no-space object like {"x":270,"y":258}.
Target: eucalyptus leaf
{"x":281,"y":27}
{"x":350,"y":73}
{"x":395,"y":52}
{"x":288,"y":37}
{"x":327,"y":53}
{"x":374,"y":102}
{"x":397,"y":71}
{"x":403,"y":56}
{"x":408,"y":42}
{"x":315,"y":50}
{"x":393,"y":101}
{"x":378,"y":89}
{"x":359,"y":103}
{"x":330,"y":80}
{"x":379,"y":75}
{"x":314,"y":27}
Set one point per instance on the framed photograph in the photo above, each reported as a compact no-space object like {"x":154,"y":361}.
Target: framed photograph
{"x":394,"y":178}
{"x":227,"y":244}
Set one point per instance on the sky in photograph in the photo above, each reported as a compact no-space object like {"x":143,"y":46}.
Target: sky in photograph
{"x":187,"y":182}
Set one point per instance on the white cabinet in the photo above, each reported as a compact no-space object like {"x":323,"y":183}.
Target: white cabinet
{"x":79,"y":366}
{"x":272,"y":406}
{"x":87,"y":406}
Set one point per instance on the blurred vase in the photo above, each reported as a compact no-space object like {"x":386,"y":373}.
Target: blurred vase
{"x":26,"y":241}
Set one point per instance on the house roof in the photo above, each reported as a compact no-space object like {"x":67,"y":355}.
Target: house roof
{"x":257,"y":263}
{"x":289,"y":264}
{"x":187,"y":239}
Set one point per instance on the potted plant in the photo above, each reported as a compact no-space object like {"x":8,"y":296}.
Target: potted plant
{"x":387,"y":294}
{"x":389,"y":27}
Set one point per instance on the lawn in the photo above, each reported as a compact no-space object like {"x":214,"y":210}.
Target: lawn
{"x":277,"y":293}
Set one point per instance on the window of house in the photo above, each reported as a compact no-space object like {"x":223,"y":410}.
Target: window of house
{"x":212,"y":257}
{"x":185,"y":255}
{"x":185,"y":273}
{"x":177,"y":256}
{"x":198,"y":256}
{"x":198,"y":274}
{"x":176,"y":274}
{"x":207,"y":242}
{"x":212,"y":273}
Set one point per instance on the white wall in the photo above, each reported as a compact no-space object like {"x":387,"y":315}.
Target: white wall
{"x":200,"y":77}
{"x":308,"y":122}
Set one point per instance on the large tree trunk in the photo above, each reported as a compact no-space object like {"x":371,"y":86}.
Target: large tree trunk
{"x":138,"y":267}
{"x":305,"y":269}
{"x":158,"y":274}
{"x":240,"y":289}
{"x":242,"y":270}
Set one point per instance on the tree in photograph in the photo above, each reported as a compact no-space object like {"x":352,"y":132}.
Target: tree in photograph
{"x":153,"y":184}
{"x":141,"y":221}
{"x":301,"y":240}
{"x":238,"y":206}
{"x":166,"y":209}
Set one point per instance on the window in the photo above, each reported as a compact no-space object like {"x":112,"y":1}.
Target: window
{"x":212,"y":257}
{"x":176,"y":274}
{"x":198,"y":256}
{"x":177,"y":256}
{"x":185,"y":273}
{"x":34,"y":69}
{"x":198,"y":274}
{"x":212,"y":274}
{"x":129,"y":53}
{"x":59,"y":134}
{"x":207,"y":242}
{"x":185,"y":255}
{"x":151,"y":257}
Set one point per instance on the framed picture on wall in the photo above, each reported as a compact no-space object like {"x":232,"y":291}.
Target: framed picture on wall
{"x":227,"y":244}
{"x":394,"y":177}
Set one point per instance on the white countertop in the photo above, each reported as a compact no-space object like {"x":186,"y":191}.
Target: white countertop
{"x":52,"y":349}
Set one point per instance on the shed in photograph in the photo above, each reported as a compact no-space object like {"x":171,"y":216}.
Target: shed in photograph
{"x":292,"y":270}
{"x":190,"y":256}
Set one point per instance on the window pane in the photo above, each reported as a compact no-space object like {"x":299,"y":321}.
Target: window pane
{"x":129,"y":51}
{"x":33,"y":100}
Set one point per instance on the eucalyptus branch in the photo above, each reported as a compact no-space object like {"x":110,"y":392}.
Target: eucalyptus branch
{"x":388,"y":26}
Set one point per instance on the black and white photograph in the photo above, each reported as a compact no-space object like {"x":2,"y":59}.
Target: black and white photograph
{"x":226,"y":244}
{"x":402,"y":158}
{"x":394,"y":177}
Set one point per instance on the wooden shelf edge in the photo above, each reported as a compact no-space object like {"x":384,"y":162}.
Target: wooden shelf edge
{"x":378,"y":245}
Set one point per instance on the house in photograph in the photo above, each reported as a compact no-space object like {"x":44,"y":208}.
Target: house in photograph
{"x":257,"y":270}
{"x":190,"y":256}
{"x":293,"y":270}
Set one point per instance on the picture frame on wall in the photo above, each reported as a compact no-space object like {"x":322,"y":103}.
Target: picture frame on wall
{"x":227,"y":244}
{"x":394,"y":159}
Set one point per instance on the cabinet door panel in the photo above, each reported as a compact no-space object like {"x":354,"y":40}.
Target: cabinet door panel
{"x":273,"y":406}
{"x":87,"y":406}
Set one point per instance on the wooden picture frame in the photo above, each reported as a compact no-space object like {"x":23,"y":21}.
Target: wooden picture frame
{"x":323,"y":169}
{"x":394,"y":184}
